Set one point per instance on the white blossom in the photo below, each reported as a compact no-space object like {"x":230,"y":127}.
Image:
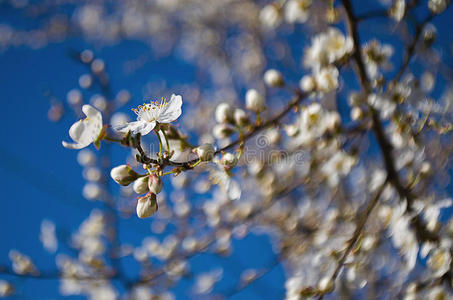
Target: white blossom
{"x":270,"y":16}
{"x":86,"y":131}
{"x":437,"y":6}
{"x":297,"y":11}
{"x":150,"y":114}
{"x":48,"y":236}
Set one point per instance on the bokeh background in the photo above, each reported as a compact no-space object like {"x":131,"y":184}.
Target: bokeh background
{"x":42,"y":180}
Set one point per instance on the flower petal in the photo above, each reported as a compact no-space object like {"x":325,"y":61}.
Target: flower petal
{"x":81,"y":133}
{"x":147,"y":129}
{"x":92,"y":113}
{"x":142,"y":127}
{"x":172,"y":111}
{"x":73,"y":145}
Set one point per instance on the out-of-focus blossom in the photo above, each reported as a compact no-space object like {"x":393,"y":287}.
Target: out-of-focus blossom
{"x":48,"y":237}
{"x":22,"y":264}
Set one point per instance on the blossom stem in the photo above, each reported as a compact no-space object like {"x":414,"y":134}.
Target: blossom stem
{"x":196,"y":164}
{"x":112,"y":139}
{"x":160,"y":142}
{"x":170,"y":172}
{"x":166,"y":140}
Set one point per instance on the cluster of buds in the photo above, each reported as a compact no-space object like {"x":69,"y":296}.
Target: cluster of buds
{"x":230,"y":120}
{"x":151,"y":184}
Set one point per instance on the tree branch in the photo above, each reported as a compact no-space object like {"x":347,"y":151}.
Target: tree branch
{"x":385,"y":146}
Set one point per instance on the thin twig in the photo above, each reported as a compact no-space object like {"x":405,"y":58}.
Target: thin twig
{"x":362,"y":217}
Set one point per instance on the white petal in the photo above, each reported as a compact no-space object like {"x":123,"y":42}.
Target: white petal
{"x":142,"y":127}
{"x":73,"y":145}
{"x":81,"y":133}
{"x":147,"y":129}
{"x":172,"y":111}
{"x":92,"y":113}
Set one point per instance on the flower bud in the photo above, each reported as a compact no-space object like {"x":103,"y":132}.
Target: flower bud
{"x":307,"y":83}
{"x":222,"y":131}
{"x":123,"y":174}
{"x":229,"y":160}
{"x":429,"y":35}
{"x":437,"y":6}
{"x":224,"y":113}
{"x":6,"y":289}
{"x":205,"y":152}
{"x":425,"y":168}
{"x":326,"y":285}
{"x":141,"y":185}
{"x":273,"y":78}
{"x":240,"y":117}
{"x":155,"y":184}
{"x":291,"y":130}
{"x":146,"y":206}
{"x":254,"y":101}
{"x":356,"y":113}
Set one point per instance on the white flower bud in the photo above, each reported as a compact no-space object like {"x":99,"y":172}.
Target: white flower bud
{"x":155,"y":184}
{"x":123,"y":174}
{"x":356,"y":113}
{"x":326,"y":285}
{"x":224,"y":113}
{"x":307,"y":83}
{"x":437,"y":6}
{"x":333,"y":120}
{"x":222,"y":131}
{"x":141,"y":185}
{"x":425,"y":169}
{"x":6,"y":289}
{"x":146,"y":206}
{"x":273,"y":78}
{"x":205,"y":152}
{"x":270,"y":16}
{"x":355,"y":99}
{"x":291,"y":130}
{"x":240,"y":117}
{"x":229,"y":160}
{"x":254,"y":101}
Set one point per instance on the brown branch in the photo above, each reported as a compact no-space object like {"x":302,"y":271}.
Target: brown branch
{"x":410,"y":49}
{"x":385,"y":146}
{"x":56,"y":275}
{"x":258,"y":276}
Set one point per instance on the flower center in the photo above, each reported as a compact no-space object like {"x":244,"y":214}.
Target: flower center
{"x":150,"y":111}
